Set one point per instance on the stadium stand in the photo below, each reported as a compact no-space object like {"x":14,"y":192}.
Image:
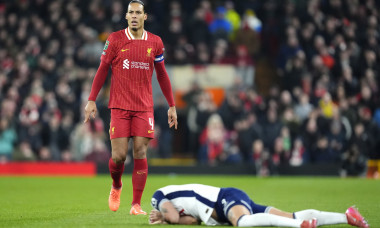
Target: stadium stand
{"x":304,"y":85}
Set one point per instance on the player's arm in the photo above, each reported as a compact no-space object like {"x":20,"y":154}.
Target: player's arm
{"x":168,"y":214}
{"x":164,"y":212}
{"x":97,"y":84}
{"x":188,"y":220}
{"x":164,"y":81}
{"x":100,"y":77}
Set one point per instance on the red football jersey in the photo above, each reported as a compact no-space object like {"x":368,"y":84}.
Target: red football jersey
{"x":132,"y":63}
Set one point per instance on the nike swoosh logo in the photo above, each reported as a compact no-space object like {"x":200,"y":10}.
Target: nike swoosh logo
{"x":140,"y":172}
{"x":124,"y":50}
{"x":150,"y":131}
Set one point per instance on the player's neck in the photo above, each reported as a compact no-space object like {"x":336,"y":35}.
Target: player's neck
{"x":137,"y":34}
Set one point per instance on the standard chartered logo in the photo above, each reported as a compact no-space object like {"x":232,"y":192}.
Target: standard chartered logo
{"x":133,"y":64}
{"x":126,"y":64}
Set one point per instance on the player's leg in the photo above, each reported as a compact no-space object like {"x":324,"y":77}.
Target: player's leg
{"x":323,"y":218}
{"x":240,"y":210}
{"x":143,"y":131}
{"x":116,"y":167}
{"x":119,"y":134}
{"x":239,"y":215}
{"x":140,"y":172}
{"x":116,"y":162}
{"x":352,"y":217}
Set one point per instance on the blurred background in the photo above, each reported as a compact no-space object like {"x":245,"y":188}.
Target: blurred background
{"x":259,"y":84}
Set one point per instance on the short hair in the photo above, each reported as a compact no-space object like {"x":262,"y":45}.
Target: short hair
{"x":139,"y":2}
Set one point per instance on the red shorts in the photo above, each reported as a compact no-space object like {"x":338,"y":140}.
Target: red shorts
{"x":125,"y":123}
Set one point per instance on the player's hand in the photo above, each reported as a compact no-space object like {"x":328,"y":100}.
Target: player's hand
{"x":155,"y":217}
{"x":90,"y":110}
{"x":172,"y":117}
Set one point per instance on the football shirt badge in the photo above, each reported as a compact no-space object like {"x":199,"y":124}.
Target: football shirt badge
{"x":148,"y":51}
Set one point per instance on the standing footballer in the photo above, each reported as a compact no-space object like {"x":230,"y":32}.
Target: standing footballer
{"x":132,"y":54}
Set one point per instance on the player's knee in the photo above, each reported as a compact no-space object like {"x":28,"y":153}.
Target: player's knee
{"x":118,"y":157}
{"x":312,"y":211}
{"x":139,"y":152}
{"x":236,"y":213}
{"x":309,"y":213}
{"x":233,"y":219}
{"x":240,"y":221}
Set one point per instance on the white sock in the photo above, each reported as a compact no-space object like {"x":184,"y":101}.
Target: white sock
{"x":265,"y":219}
{"x":323,"y":217}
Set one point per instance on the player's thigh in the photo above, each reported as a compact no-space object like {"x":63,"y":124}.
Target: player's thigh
{"x":140,"y":147}
{"x":232,"y":197}
{"x":236,"y":212}
{"x":120,"y":125}
{"x":119,"y":149}
{"x":143,"y":124}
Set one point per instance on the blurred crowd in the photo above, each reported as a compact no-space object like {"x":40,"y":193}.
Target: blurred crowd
{"x":325,"y":108}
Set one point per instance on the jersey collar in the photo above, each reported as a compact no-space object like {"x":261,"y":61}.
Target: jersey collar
{"x":131,"y":37}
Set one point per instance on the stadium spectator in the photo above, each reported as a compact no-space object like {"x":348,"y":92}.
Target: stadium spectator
{"x":8,"y":138}
{"x":271,"y":127}
{"x":291,"y":122}
{"x":54,"y":139}
{"x":261,"y":158}
{"x":206,"y":7}
{"x":252,"y":21}
{"x":83,"y":138}
{"x":212,"y":140}
{"x":24,"y":152}
{"x":244,"y":66}
{"x":220,"y":27}
{"x":353,"y":162}
{"x":247,"y":37}
{"x":162,"y":132}
{"x":131,"y":100}
{"x":279,"y":155}
{"x":198,"y":31}
{"x":248,"y":131}
{"x":232,"y":109}
{"x":337,"y":141}
{"x":194,"y":97}
{"x":99,"y":152}
{"x":297,"y":153}
{"x":303,"y":107}
{"x":294,"y":72}
{"x":326,"y":105}
{"x":288,"y":51}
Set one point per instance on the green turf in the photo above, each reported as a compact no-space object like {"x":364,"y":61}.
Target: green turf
{"x":83,"y":202}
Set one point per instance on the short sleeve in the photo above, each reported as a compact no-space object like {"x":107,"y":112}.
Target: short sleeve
{"x":157,"y":199}
{"x":108,"y":53}
{"x":159,"y":51}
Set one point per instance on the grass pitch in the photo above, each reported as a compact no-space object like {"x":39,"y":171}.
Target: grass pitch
{"x":83,"y":202}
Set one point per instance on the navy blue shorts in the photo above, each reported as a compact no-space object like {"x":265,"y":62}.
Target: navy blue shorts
{"x":229,"y":197}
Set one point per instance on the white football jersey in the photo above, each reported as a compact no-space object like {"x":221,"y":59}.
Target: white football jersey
{"x":196,"y":200}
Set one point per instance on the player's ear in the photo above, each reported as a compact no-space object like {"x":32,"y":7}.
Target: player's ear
{"x":145,"y":16}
